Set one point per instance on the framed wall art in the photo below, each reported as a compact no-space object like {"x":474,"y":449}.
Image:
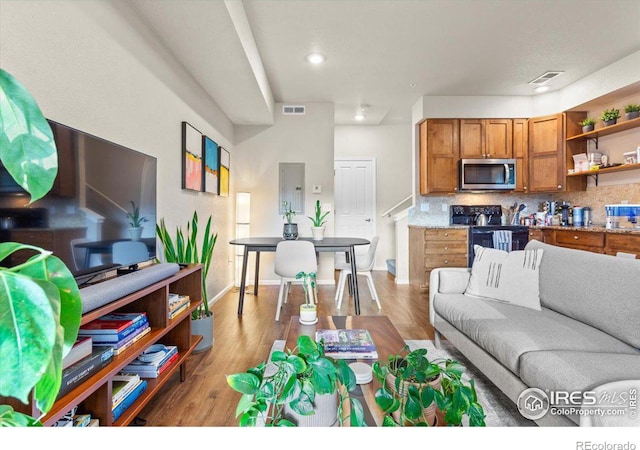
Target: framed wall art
{"x":225,"y":159}
{"x":191,"y":158}
{"x":211,"y":166}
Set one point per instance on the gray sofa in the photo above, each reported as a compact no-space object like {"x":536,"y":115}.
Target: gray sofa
{"x":587,"y":333}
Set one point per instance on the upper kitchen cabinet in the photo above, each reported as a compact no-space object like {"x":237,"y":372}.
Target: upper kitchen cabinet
{"x":520,"y":154}
{"x":548,"y":156}
{"x":486,"y":138}
{"x":439,"y":156}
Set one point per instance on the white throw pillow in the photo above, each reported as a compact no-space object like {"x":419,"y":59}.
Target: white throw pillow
{"x":509,"y":277}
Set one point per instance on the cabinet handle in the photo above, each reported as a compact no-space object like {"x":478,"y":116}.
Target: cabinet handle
{"x":559,"y":186}
{"x":446,"y":234}
{"x":455,"y":188}
{"x":575,"y":237}
{"x":525,"y":188}
{"x":446,"y":261}
{"x":446,"y":248}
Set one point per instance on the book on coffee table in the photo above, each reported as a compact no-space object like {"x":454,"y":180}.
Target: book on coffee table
{"x":347,"y":344}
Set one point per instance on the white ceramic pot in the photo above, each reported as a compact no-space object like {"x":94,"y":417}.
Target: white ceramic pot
{"x":308,"y":313}
{"x":203,"y":327}
{"x":318,"y":233}
{"x":135,"y":233}
{"x":325,"y":412}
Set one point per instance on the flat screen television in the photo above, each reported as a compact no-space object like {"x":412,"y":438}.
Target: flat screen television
{"x":83,"y":219}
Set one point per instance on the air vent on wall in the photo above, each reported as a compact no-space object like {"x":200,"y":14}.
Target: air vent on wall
{"x":297,"y":110}
{"x":542,"y":79}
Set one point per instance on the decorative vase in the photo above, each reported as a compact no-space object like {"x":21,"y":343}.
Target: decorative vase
{"x":308,"y":313}
{"x":204,"y":328}
{"x":587,"y":128}
{"x":608,"y":123}
{"x":632,"y":115}
{"x":401,"y":393}
{"x":290,"y":231}
{"x":135,"y":233}
{"x":325,"y":412}
{"x":318,"y":233}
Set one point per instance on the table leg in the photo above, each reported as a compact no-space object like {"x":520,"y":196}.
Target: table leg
{"x":243,"y":279}
{"x":349,"y":277}
{"x":255,"y":284}
{"x":354,"y":276}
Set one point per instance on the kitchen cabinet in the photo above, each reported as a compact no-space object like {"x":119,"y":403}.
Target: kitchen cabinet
{"x":520,"y":154}
{"x":619,"y":242}
{"x":439,"y":156}
{"x":542,"y":235}
{"x":592,"y":241}
{"x":430,"y":248}
{"x":486,"y":138}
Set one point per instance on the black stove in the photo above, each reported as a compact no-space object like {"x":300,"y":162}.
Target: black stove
{"x":484,"y":235}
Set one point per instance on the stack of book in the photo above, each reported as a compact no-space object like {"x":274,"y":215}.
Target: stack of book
{"x":117,"y":330}
{"x":125,"y":390}
{"x":153,"y":362}
{"x":347,"y":344}
{"x":78,"y":372}
{"x":81,"y":349}
{"x":177,"y":304}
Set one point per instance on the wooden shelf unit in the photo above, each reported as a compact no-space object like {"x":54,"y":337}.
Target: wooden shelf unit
{"x":94,"y":394}
{"x":605,"y":131}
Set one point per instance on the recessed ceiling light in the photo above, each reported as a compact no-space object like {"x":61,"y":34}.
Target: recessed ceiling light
{"x":541,"y":89}
{"x":412,"y":84}
{"x":315,"y":58}
{"x":359,"y":117}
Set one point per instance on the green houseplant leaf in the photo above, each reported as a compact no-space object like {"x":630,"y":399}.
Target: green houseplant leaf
{"x":27,"y":147}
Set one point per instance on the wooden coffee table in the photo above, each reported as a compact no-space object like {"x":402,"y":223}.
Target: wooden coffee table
{"x":387,"y":339}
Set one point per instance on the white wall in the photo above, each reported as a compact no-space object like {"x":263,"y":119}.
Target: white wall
{"x":95,"y":67}
{"x":390,"y":145}
{"x":259,"y":149}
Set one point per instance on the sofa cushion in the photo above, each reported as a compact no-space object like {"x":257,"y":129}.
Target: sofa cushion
{"x":510,"y":277}
{"x":599,"y":290}
{"x":507,"y":331}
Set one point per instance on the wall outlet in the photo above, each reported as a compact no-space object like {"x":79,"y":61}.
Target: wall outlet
{"x":445,"y":207}
{"x":424,"y":207}
{"x":317,"y":189}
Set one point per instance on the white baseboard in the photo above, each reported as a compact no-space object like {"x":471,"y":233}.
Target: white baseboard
{"x":401,"y":281}
{"x":221,"y":294}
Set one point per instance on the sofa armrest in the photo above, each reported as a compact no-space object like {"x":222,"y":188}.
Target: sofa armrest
{"x":447,"y":280}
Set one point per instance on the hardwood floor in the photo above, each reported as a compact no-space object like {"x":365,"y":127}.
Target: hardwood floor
{"x":205,"y":399}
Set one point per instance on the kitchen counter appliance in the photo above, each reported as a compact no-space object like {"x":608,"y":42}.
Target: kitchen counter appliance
{"x":483,"y":235}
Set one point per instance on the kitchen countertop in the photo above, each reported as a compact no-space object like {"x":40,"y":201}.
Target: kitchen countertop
{"x":460,"y":227}
{"x":594,"y":228}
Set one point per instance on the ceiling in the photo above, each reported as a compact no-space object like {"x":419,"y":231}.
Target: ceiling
{"x":386,"y":54}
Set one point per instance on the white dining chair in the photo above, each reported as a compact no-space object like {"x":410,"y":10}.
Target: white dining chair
{"x":293,"y":257}
{"x":364,"y":266}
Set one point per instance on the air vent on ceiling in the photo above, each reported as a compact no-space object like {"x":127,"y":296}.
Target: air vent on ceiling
{"x":542,"y":79}
{"x":297,"y":110}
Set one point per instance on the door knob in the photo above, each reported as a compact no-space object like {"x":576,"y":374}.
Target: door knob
{"x":367,"y":220}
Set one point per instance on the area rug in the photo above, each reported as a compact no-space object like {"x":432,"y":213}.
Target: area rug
{"x":499,"y":410}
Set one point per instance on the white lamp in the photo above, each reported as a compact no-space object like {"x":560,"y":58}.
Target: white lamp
{"x":243,"y":228}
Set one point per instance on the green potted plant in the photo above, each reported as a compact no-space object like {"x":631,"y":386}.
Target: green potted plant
{"x":632,"y":111}
{"x":308,"y":310}
{"x":184,"y":250}
{"x":318,"y":222}
{"x":610,"y":116}
{"x":40,"y":304}
{"x":413,"y":388}
{"x":587,"y":125}
{"x":290,"y":229}
{"x":136,"y":221}
{"x":300,"y":387}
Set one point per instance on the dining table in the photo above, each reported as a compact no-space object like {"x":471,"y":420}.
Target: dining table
{"x":328,"y":244}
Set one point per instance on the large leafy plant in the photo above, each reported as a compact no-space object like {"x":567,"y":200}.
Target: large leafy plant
{"x":302,"y":373}
{"x":184,"y":250}
{"x":40,"y":305}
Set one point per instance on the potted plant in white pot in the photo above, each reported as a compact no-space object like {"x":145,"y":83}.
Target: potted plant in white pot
{"x":185,"y":251}
{"x":136,"y":221}
{"x":318,"y":222}
{"x":308,"y":310}
{"x":40,"y":304}
{"x":632,"y":111}
{"x":290,"y":229}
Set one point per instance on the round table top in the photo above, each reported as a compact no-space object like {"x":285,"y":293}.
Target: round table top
{"x":326,"y":242}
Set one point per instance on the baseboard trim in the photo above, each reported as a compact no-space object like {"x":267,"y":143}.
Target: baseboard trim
{"x":402,"y":281}
{"x":221,"y":294}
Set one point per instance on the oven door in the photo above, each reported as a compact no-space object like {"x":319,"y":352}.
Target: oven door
{"x":483,"y":236}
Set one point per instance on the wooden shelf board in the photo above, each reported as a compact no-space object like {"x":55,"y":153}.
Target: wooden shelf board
{"x":605,"y":131}
{"x":621,"y":168}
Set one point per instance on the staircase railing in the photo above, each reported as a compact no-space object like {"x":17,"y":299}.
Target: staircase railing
{"x":397,"y":206}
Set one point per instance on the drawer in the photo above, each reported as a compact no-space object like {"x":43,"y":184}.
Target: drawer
{"x":537,"y":235}
{"x":445,"y":234}
{"x":568,"y":238}
{"x":434,"y":261}
{"x":628,"y":243}
{"x":445,"y":247}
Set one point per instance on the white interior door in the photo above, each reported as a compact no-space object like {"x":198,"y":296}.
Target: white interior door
{"x":355,"y":199}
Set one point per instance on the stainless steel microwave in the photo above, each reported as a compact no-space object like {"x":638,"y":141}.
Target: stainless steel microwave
{"x":487,"y":174}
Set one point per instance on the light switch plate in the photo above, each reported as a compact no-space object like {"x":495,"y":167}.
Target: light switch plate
{"x":317,"y":189}
{"x":445,"y":207}
{"x":424,"y":207}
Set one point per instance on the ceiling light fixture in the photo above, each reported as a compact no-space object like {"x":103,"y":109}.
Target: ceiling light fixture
{"x":315,"y":58}
{"x":360,"y":116}
{"x":541,"y":89}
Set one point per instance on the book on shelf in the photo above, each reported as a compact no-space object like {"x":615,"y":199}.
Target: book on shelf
{"x":184,"y":307}
{"x":76,"y":373}
{"x":81,"y":348}
{"x":356,"y":340}
{"x":152,"y":363}
{"x":121,"y":385}
{"x":128,"y":400}
{"x":81,"y":420}
{"x":120,"y":347}
{"x":116,"y":336}
{"x":94,"y":423}
{"x":112,"y":323}
{"x":177,"y":300}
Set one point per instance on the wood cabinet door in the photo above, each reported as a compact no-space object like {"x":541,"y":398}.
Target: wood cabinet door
{"x":520,"y":154}
{"x":546,"y":154}
{"x":498,"y":138}
{"x":439,"y":156}
{"x":472,"y":139}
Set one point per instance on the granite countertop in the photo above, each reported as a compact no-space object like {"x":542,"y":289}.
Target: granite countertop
{"x":593,"y":228}
{"x":461,"y":227}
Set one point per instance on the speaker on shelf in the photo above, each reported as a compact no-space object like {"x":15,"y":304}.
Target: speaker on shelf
{"x":100,"y":294}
